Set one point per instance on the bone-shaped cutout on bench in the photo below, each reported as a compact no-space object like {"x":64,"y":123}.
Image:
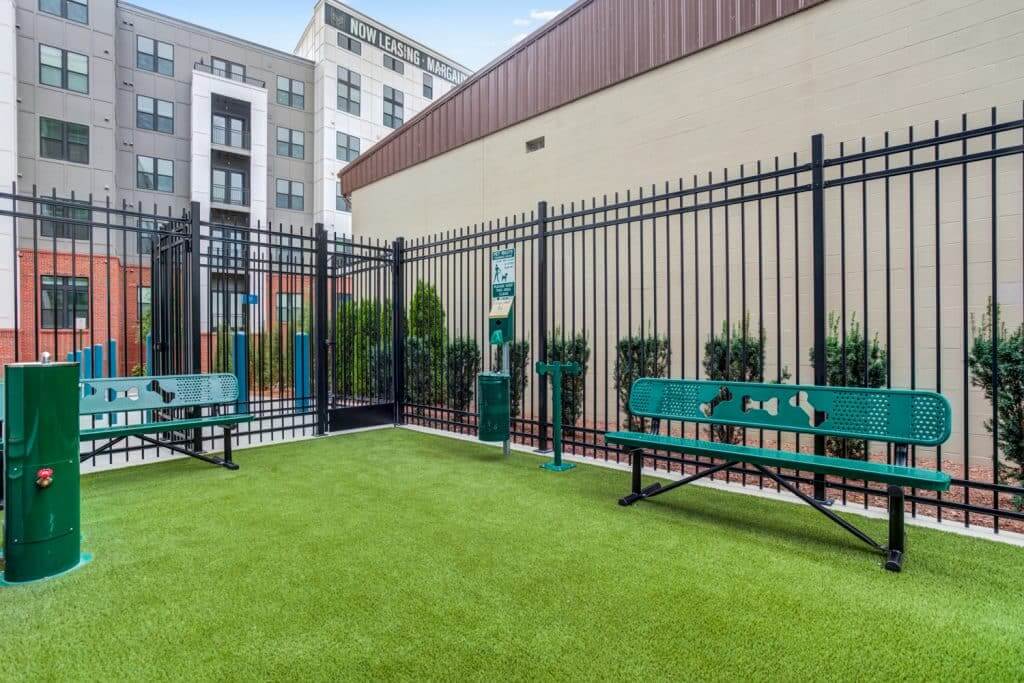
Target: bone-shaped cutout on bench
{"x":756,"y":410}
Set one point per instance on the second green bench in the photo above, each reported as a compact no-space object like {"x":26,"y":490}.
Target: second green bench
{"x":901,"y":417}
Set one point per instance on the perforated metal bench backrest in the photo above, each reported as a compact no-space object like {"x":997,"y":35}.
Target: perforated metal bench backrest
{"x":891,"y":415}
{"x":123,"y":394}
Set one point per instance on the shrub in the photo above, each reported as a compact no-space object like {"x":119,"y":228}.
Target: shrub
{"x":568,"y":350}
{"x":637,"y":357}
{"x":426,"y":321}
{"x":361,"y":330}
{"x":419,"y":387}
{"x":736,"y":357}
{"x":1009,"y":366}
{"x":463,"y":364}
{"x":382,"y":373}
{"x":519,"y":355}
{"x":852,"y":373}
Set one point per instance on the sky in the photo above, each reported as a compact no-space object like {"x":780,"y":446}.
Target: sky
{"x":472,"y":33}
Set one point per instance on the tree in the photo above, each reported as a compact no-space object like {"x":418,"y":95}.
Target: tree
{"x":568,"y":350}
{"x":637,"y":357}
{"x":863,"y":364}
{"x":419,"y":388}
{"x":463,"y":364}
{"x":736,"y":357}
{"x":996,"y":363}
{"x":426,"y":322}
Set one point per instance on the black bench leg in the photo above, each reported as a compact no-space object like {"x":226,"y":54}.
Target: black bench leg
{"x":228,"y":463}
{"x":897,"y":532}
{"x":638,"y":492}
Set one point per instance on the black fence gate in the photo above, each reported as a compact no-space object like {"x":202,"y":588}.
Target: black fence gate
{"x":362,"y":324}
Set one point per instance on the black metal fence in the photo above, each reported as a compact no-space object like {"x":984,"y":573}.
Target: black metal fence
{"x":895,"y":262}
{"x":891,"y":262}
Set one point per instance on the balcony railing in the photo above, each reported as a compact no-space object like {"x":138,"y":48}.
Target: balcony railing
{"x":207,"y":68}
{"x":229,"y":194}
{"x":231,"y":137}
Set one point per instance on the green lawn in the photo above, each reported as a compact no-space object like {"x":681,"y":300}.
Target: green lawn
{"x":392,"y":554}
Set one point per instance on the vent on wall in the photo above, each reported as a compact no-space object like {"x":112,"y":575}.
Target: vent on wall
{"x":534,"y":145}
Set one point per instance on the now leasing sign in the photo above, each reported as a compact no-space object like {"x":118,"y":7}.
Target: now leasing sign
{"x":383,"y":40}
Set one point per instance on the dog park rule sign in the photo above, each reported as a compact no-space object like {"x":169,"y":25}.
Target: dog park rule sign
{"x":503,"y":274}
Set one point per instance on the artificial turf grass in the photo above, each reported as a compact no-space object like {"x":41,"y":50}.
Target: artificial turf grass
{"x":392,"y":554}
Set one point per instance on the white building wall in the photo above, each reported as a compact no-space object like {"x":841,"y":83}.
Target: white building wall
{"x":8,"y":156}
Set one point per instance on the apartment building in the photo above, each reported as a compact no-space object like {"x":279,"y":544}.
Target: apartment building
{"x":108,"y":101}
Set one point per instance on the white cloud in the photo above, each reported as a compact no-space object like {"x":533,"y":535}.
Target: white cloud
{"x":536,"y":15}
{"x":544,"y":14}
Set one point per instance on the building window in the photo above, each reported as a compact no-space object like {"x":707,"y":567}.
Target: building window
{"x":396,"y":65}
{"x":64,"y":141}
{"x":78,"y":229}
{"x":229,"y":131}
{"x":348,"y":147}
{"x":291,"y":93}
{"x":428,"y":86}
{"x":289,"y":195}
{"x":154,"y":114}
{"x":154,"y":174}
{"x":154,"y":55}
{"x":228,"y":300}
{"x":349,"y":43}
{"x":145,"y":302}
{"x":147,"y":235}
{"x":394,"y":107}
{"x":289,"y":308}
{"x":226,"y":69}
{"x":63,"y":69}
{"x":63,"y":300}
{"x":229,"y":187}
{"x":68,"y":9}
{"x":350,"y":95}
{"x":341,"y":202}
{"x":291,"y":143}
{"x":228,"y":247}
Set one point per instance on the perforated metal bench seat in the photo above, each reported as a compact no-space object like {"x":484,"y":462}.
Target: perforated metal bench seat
{"x":900,"y":417}
{"x":914,"y":477}
{"x":162,"y":427}
{"x":114,"y":396}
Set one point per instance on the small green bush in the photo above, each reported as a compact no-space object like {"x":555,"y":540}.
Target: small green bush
{"x":463,"y":364}
{"x":852,"y":373}
{"x":637,"y":357}
{"x":567,"y":350}
{"x":519,"y":353}
{"x":426,"y":322}
{"x":736,"y":357}
{"x":419,"y":384}
{"x":1004,"y":359}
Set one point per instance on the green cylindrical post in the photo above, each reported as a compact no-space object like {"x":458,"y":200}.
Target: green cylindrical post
{"x":556,"y":370}
{"x":42,"y":536}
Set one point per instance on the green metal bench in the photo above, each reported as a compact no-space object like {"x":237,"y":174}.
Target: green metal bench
{"x":900,"y":417}
{"x":158,"y":396}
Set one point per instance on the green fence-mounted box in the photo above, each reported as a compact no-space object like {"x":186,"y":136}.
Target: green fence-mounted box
{"x":42,"y":537}
{"x":501,"y":327}
{"x":493,"y":393}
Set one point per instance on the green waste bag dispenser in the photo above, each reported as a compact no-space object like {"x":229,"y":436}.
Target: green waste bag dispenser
{"x":42,"y":514}
{"x":494,"y":388}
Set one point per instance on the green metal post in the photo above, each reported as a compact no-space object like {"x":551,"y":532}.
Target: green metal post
{"x":556,"y":370}
{"x":42,"y":535}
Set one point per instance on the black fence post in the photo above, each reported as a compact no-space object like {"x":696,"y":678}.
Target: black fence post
{"x":398,"y":327}
{"x":820,"y":321}
{"x":322,"y":333}
{"x":541,"y":353}
{"x":195,"y":336}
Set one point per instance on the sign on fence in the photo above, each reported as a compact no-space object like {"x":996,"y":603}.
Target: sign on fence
{"x":503,"y":274}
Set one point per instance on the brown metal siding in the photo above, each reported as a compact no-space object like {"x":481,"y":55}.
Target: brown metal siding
{"x":590,"y":46}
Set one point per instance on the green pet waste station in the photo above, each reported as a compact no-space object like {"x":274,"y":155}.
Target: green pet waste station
{"x":42,"y":516}
{"x":494,"y":421}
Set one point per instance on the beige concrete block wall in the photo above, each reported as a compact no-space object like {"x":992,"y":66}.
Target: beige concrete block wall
{"x":847,"y":69}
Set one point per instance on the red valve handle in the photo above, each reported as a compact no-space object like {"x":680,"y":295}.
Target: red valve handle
{"x":44,"y":477}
